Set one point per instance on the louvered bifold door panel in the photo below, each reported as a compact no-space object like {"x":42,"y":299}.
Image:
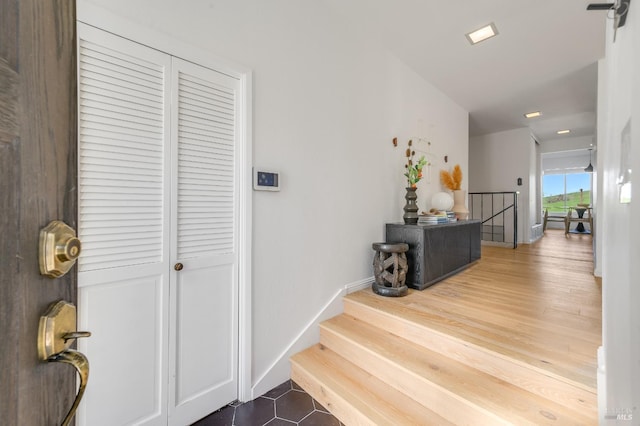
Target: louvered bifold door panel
{"x":205,"y":162}
{"x":123,"y":131}
{"x":204,"y":319}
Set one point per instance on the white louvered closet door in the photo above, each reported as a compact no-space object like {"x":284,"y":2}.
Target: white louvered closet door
{"x":204,"y":326}
{"x":157,"y":187}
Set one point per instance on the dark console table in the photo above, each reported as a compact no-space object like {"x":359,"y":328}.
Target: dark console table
{"x":436,"y":251}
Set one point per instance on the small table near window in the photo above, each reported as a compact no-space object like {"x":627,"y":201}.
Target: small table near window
{"x":580,"y":225}
{"x":580,"y":210}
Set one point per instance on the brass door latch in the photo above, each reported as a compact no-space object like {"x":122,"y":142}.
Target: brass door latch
{"x":59,"y":249}
{"x":56,"y":334}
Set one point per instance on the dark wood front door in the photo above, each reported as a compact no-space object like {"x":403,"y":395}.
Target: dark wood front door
{"x":37,"y":185}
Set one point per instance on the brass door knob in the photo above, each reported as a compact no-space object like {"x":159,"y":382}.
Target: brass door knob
{"x":178,"y":266}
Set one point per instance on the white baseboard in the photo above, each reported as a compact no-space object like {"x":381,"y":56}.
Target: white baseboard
{"x":358,"y":285}
{"x":496,"y":244}
{"x":601,"y":385}
{"x":280,"y":370}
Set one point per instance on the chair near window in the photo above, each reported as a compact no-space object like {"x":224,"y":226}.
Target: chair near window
{"x":552,"y":218}
{"x":585,"y":217}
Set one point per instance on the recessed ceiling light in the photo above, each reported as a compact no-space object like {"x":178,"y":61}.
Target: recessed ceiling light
{"x":482,"y":34}
{"x":533,"y":114}
{"x":563,"y":132}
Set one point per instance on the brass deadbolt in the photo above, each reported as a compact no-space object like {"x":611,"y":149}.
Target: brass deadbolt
{"x":59,"y":249}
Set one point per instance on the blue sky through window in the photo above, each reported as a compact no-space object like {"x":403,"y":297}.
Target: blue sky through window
{"x":554,"y":184}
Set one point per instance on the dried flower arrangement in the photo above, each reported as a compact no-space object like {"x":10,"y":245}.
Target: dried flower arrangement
{"x":452,"y":180}
{"x":413,"y":171}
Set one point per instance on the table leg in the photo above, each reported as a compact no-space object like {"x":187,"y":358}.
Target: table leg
{"x":580,"y":226}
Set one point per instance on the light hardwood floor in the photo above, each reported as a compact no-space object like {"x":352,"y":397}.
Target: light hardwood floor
{"x":540,"y":300}
{"x":510,"y":340}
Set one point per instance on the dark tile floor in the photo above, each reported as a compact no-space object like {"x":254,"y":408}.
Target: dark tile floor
{"x":284,"y":405}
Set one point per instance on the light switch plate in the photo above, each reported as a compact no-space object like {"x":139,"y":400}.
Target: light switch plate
{"x":265,"y":180}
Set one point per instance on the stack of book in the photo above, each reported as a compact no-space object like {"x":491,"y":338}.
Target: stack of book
{"x":437,"y":217}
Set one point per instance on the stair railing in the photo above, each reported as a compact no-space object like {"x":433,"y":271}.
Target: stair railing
{"x":498,"y":212}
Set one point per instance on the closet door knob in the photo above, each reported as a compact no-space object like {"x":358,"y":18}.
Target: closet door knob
{"x":178,"y":266}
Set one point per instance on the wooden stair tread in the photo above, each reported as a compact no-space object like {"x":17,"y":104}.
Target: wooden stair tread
{"x":472,"y":330}
{"x":422,"y":373}
{"x":353,"y":395}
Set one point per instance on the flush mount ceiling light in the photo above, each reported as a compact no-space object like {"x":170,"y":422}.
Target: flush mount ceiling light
{"x":563,"y":132}
{"x":533,"y":114}
{"x":482,"y":34}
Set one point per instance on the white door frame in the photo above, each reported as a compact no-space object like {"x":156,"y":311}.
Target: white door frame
{"x":101,"y":18}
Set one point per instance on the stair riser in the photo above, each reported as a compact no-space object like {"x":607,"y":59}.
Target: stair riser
{"x":341,"y":409}
{"x":438,"y":399}
{"x":524,"y":376}
{"x":358,"y":397}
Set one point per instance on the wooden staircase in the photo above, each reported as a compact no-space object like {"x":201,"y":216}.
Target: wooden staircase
{"x":399,"y":361}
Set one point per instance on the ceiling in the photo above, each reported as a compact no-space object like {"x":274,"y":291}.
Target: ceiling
{"x":543,"y":59}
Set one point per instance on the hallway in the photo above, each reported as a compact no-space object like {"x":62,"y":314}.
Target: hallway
{"x":538,"y":306}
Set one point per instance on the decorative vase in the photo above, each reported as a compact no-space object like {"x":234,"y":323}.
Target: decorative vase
{"x":442,"y":201}
{"x":411,"y":207}
{"x":459,"y":204}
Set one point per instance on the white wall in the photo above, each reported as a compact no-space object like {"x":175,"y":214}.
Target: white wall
{"x":496,"y":162}
{"x":567,"y":144}
{"x":620,"y":80}
{"x":538,"y":179}
{"x":534,"y":185}
{"x":326,"y":108}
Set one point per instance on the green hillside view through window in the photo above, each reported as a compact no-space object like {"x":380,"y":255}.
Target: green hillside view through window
{"x":562,"y":191}
{"x":559,"y":204}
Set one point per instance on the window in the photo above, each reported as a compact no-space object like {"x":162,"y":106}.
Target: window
{"x":561,"y":191}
